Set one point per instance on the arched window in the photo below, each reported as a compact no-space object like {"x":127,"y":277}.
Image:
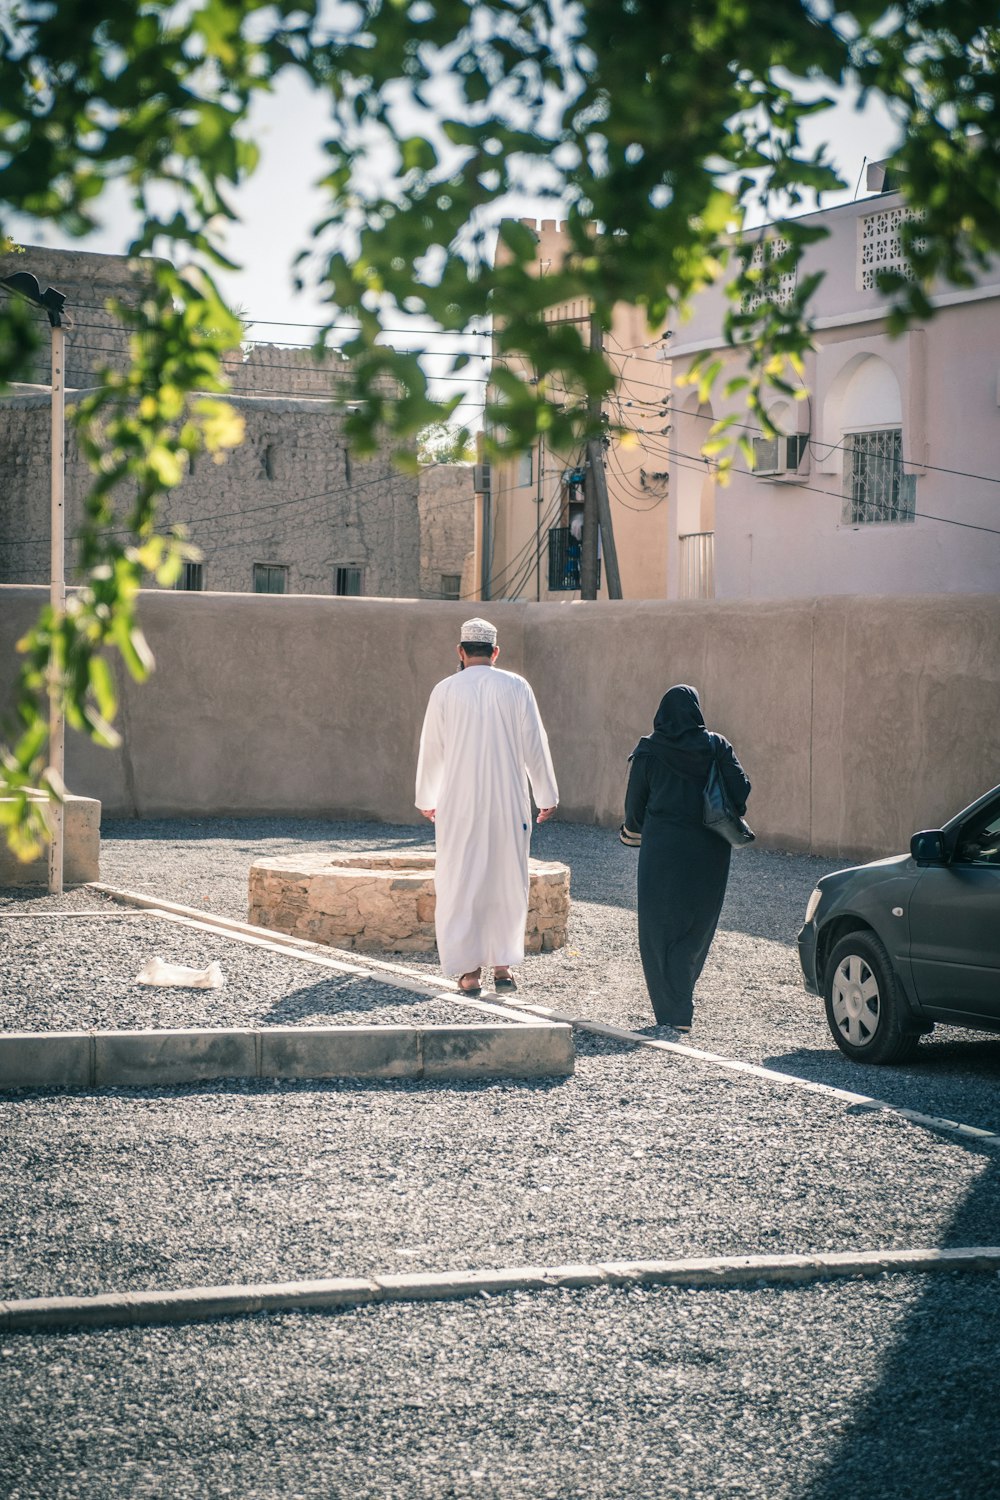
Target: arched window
{"x":867,"y":409}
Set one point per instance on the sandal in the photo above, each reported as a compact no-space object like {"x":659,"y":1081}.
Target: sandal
{"x":475,"y":988}
{"x":504,"y":984}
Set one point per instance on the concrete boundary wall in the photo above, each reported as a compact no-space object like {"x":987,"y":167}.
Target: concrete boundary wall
{"x":859,"y":720}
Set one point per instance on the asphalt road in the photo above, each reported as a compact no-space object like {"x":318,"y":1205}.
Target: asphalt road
{"x":884,"y":1388}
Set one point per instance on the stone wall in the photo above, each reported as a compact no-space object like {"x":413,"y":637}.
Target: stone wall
{"x":858,"y":720}
{"x":94,"y":337}
{"x":291,"y":495}
{"x":446,"y":525}
{"x":25,"y":492}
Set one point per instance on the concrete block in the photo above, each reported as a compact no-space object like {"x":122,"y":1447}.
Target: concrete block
{"x":339,"y":1052}
{"x":38,"y":1059}
{"x":81,"y":849}
{"x":522,"y":1051}
{"x":159,"y":1058}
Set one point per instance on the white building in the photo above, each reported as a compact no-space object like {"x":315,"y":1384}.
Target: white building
{"x":888,"y":481}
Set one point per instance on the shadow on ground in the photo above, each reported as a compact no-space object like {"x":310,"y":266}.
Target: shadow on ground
{"x":337,"y":997}
{"x":250,"y":831}
{"x":928,"y":1428}
{"x":263,"y":1086}
{"x":935,"y":1083}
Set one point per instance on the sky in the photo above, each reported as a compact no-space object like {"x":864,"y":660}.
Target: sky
{"x":280,"y":203}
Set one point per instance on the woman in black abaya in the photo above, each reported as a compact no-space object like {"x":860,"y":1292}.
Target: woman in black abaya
{"x":683,"y":866}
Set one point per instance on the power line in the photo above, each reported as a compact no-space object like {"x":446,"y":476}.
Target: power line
{"x":223,"y":515}
{"x":282,"y":393}
{"x":334,"y":327}
{"x":316,"y":370}
{"x":280,"y":344}
{"x":637,"y":493}
{"x":836,"y":495}
{"x":523,"y":555}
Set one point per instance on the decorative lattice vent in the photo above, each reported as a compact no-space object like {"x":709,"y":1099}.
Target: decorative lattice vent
{"x":881,"y":247}
{"x":778,"y":290}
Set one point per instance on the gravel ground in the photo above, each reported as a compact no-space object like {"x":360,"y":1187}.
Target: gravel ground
{"x":828,"y":1391}
{"x":872,"y":1391}
{"x":79,"y":973}
{"x":750,"y":1002}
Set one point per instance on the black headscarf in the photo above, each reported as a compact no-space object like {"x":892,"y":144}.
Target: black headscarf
{"x":679,"y":736}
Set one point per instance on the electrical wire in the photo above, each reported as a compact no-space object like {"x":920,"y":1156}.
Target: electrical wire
{"x":225,"y":515}
{"x":280,"y":392}
{"x":523,"y":555}
{"x":837,"y":495}
{"x":638,"y":494}
{"x":524,"y":552}
{"x":618,"y":352}
{"x":299,"y":369}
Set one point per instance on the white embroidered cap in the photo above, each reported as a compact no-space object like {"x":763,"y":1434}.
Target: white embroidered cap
{"x":479,"y":630}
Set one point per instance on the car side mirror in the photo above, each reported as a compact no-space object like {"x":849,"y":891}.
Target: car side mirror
{"x":927,"y":848}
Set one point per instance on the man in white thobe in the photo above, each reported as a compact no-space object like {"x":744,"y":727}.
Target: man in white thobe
{"x":482,"y":742}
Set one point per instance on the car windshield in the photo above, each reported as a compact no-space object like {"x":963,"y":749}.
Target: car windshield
{"x":979,"y":842}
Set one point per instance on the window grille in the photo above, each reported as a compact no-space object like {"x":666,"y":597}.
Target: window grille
{"x":876,"y":488}
{"x":525,"y":470}
{"x":451,"y":585}
{"x":349,"y":582}
{"x":564,"y":561}
{"x":778,"y":290}
{"x":192,"y":577}
{"x":881,"y":246}
{"x":270,"y":578}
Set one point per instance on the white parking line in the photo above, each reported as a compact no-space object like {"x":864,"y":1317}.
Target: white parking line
{"x":772,"y":1075}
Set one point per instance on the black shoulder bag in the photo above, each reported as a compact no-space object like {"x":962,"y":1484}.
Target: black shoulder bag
{"x":719,"y":814}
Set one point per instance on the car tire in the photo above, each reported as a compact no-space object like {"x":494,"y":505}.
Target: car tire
{"x":865,"y":1007}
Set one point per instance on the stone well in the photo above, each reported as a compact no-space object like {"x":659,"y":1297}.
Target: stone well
{"x":384,"y":902}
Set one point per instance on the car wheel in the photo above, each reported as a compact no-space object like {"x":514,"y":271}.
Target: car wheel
{"x":865,"y":1007}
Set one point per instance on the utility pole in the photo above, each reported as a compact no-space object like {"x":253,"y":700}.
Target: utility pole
{"x":596,"y":505}
{"x":482,"y":521}
{"x":538,"y":521}
{"x":57,"y":599}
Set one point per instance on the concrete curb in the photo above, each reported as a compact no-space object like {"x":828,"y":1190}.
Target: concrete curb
{"x":138,"y":1059}
{"x":188,"y":1304}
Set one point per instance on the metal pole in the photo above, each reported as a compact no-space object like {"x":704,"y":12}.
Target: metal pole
{"x":596,"y":505}
{"x":595,"y":453}
{"x":57,"y":600}
{"x":588,"y":541}
{"x":485,"y":583}
{"x":538,"y":522}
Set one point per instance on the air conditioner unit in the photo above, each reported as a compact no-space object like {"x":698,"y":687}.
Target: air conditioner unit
{"x":779,"y":457}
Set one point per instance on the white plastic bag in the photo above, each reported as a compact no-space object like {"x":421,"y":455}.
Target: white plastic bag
{"x":158,"y":971}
